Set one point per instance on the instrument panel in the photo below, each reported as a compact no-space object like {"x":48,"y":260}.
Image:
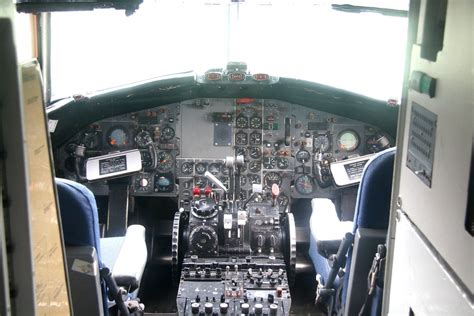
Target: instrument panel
{"x":283,"y":143}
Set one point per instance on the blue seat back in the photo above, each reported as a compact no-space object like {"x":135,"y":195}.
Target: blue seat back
{"x":78,"y":215}
{"x":373,"y":198}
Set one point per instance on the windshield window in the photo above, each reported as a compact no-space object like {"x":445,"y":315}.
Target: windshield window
{"x":363,"y":53}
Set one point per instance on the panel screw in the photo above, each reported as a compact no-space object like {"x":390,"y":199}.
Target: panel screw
{"x":397,"y":215}
{"x":399,"y":201}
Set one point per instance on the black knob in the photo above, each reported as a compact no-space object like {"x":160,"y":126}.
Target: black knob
{"x":195,"y":308}
{"x":208,"y":308}
{"x":223,"y":307}
{"x":198,"y":299}
{"x":245,"y":308}
{"x":271,"y":298}
{"x":258,"y":309}
{"x":222,"y":298}
{"x":273,"y":309}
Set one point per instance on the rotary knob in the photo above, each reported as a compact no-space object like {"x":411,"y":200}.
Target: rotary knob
{"x":223,"y":308}
{"x":258,"y":309}
{"x":205,"y":208}
{"x":273,"y":309}
{"x":208,"y":308}
{"x":143,"y":182}
{"x":203,"y":239}
{"x":195,"y":308}
{"x":245,"y":308}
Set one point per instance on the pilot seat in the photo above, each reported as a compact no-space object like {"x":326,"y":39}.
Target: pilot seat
{"x":343,"y":251}
{"x":98,"y":267}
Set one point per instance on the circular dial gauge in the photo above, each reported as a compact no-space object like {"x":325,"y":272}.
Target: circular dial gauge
{"x":200,"y":182}
{"x":187,"y":168}
{"x":165,"y":161}
{"x":253,"y":178}
{"x":224,"y":180}
{"x":200,"y":168}
{"x":255,"y":152}
{"x":241,"y":138}
{"x":167,"y":133}
{"x":241,"y":122}
{"x":255,"y":138}
{"x":269,"y":162}
{"x":163,"y":184}
{"x":143,"y":139}
{"x":241,"y":151}
{"x":321,"y":144}
{"x":283,"y":200}
{"x":117,"y":137}
{"x":376,"y":143}
{"x":91,"y":140}
{"x":214,"y":168}
{"x":348,"y":140}
{"x":304,"y":185}
{"x":272,"y":178}
{"x":243,"y":180}
{"x":255,"y":166}
{"x":303,"y":156}
{"x":203,"y":239}
{"x":282,"y":163}
{"x":255,"y":122}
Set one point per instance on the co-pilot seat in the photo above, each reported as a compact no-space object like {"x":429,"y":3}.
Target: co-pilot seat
{"x":366,"y":231}
{"x":86,"y":252}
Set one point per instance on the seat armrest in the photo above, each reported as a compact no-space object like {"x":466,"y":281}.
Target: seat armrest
{"x":131,"y":259}
{"x":326,"y":228}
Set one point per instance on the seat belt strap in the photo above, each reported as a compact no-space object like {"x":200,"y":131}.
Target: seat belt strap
{"x":375,"y":278}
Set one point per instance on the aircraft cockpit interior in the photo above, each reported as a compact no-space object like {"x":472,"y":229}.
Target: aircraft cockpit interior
{"x":223,"y":185}
{"x":227,"y":157}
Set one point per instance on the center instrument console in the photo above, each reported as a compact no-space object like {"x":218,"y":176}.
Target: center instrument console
{"x":234,"y":256}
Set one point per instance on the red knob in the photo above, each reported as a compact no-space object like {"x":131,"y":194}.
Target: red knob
{"x":196,"y":191}
{"x":275,"y":190}
{"x":208,"y":191}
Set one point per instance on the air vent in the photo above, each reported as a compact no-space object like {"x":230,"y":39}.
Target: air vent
{"x":421,"y":144}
